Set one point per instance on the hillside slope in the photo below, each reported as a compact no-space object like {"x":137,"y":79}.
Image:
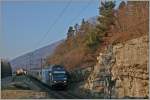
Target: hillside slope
{"x":34,"y":58}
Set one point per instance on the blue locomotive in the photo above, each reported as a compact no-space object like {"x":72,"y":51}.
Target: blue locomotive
{"x":53,"y":75}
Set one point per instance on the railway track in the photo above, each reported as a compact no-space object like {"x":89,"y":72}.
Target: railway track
{"x":57,"y":94}
{"x":24,"y":82}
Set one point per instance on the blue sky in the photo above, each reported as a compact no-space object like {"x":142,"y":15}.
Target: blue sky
{"x":25,"y":23}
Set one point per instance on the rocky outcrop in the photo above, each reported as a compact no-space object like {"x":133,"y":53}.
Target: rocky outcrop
{"x":131,"y":68}
{"x":122,"y":71}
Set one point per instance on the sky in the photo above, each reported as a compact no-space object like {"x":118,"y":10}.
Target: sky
{"x":28,"y":25}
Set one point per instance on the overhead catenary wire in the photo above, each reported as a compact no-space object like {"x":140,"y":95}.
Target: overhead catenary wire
{"x":58,"y":18}
{"x":55,"y":21}
{"x":60,"y":15}
{"x":81,"y":11}
{"x":50,"y":28}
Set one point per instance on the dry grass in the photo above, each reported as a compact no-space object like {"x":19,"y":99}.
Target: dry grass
{"x":22,"y":94}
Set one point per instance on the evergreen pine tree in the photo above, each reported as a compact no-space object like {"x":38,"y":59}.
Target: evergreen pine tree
{"x":70,"y":32}
{"x":106,"y":18}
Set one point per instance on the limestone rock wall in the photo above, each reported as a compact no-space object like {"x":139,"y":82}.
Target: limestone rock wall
{"x":127,"y":63}
{"x":131,"y":68}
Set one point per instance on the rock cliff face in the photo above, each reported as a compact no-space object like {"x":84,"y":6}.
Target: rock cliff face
{"x":122,"y":71}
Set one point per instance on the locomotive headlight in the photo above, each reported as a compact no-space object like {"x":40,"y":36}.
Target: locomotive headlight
{"x":54,"y":81}
{"x":64,"y":81}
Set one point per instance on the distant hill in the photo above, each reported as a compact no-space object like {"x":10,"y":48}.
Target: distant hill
{"x":33,"y":59}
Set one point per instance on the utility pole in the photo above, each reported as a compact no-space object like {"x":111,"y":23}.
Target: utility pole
{"x":30,"y":60}
{"x":30,"y":63}
{"x":41,"y":64}
{"x":26,"y":67}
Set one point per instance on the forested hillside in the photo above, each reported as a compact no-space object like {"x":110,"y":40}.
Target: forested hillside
{"x":83,"y":42}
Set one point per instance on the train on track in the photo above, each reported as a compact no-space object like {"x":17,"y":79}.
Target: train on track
{"x":53,"y":76}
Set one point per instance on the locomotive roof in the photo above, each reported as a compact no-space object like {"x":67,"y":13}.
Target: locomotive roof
{"x":49,"y":68}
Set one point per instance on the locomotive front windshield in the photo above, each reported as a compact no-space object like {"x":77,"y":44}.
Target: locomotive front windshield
{"x":59,"y":75}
